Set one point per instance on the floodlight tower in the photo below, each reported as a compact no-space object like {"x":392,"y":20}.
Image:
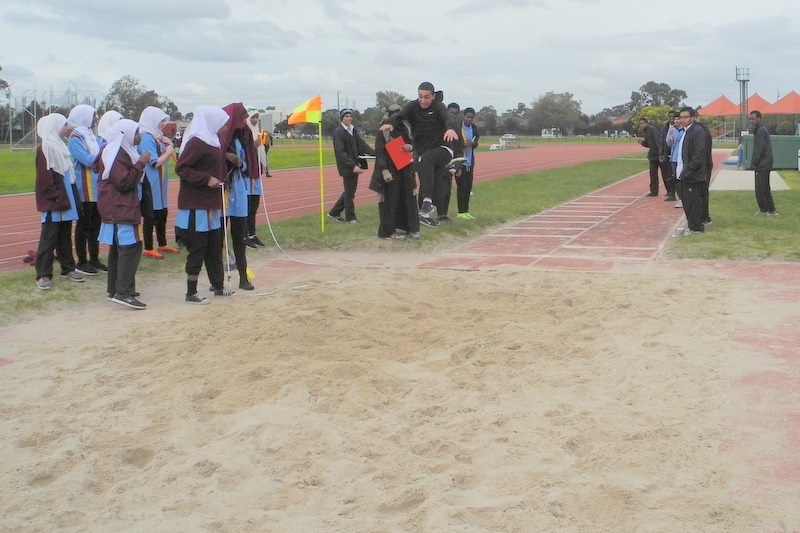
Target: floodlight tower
{"x":743,"y":77}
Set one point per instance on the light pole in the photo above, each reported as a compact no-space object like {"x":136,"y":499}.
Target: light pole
{"x":743,"y":77}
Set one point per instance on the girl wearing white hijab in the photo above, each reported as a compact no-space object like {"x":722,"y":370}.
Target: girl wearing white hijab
{"x":202,"y":170}
{"x":256,"y":187}
{"x":121,"y":169}
{"x":108,"y":119}
{"x":55,"y":199}
{"x":84,"y":147}
{"x":151,"y":126}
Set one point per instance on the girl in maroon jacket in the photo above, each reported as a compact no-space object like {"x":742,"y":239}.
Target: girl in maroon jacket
{"x":55,"y":200}
{"x":121,"y":169}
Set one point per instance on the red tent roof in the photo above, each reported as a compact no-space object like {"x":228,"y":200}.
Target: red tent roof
{"x":721,"y":107}
{"x":788,"y":105}
{"x":755,"y":102}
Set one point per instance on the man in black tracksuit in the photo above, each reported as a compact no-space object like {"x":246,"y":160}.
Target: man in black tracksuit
{"x":761,"y":162}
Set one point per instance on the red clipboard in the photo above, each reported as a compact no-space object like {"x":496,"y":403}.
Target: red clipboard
{"x":400,"y":158}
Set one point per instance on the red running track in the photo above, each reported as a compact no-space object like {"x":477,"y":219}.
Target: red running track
{"x":294,"y":193}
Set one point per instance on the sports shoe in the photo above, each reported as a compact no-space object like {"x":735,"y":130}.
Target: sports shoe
{"x":772,"y":213}
{"x":354,"y":221}
{"x":444,"y":218}
{"x":73,"y":275}
{"x":337,"y":218}
{"x":245,"y":285}
{"x":761,"y":213}
{"x":427,"y":208}
{"x":395,"y":237}
{"x":686,"y":232}
{"x":669,"y":198}
{"x":414,"y":235}
{"x":707,"y":221}
{"x":44,"y":283}
{"x":465,"y":216}
{"x":196,"y":299}
{"x":99,"y":266}
{"x":679,"y":204}
{"x":153,"y":254}
{"x":168,"y":249}
{"x":86,"y":269}
{"x":249,"y":242}
{"x":431,"y":223}
{"x":652,"y":194}
{"x":224,"y":291}
{"x":129,"y":301}
{"x":257,"y":241}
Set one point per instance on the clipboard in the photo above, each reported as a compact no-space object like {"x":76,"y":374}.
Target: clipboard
{"x":400,"y":158}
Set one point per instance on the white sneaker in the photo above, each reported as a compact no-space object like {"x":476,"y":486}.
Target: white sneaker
{"x":679,"y":204}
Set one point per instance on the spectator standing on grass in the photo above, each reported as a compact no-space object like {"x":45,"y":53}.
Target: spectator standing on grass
{"x":651,"y":139}
{"x":674,"y":139}
{"x":762,"y":162}
{"x":469,"y":136}
{"x":55,"y":200}
{"x":692,"y":171}
{"x":709,"y":166}
{"x":153,"y":141}
{"x":347,"y":146}
{"x":665,"y":161}
{"x":84,"y":147}
{"x":255,"y":185}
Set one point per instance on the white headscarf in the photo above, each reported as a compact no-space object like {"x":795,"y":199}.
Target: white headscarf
{"x":206,"y":123}
{"x":108,"y":119}
{"x":149,"y":120}
{"x":120,"y":137}
{"x":251,"y":112}
{"x":55,"y":151}
{"x":81,"y":120}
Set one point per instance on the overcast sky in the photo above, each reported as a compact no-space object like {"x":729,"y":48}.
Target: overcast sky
{"x":479,"y":52}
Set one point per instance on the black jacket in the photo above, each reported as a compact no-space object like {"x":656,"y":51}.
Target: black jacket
{"x":762,"y":149}
{"x":652,"y":141}
{"x":427,"y":125}
{"x":347,"y":148}
{"x":694,"y":155}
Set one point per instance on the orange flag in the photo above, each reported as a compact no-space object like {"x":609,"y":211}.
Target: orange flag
{"x":310,"y":111}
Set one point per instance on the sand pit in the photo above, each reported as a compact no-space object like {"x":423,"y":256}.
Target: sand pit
{"x":383,"y":400}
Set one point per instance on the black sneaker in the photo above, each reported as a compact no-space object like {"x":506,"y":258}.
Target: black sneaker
{"x":337,"y":218}
{"x":427,"y":208}
{"x":250,"y":242}
{"x":86,"y":269}
{"x":196,"y":299}
{"x":99,"y":266}
{"x":431,"y":223}
{"x":224,"y":291}
{"x":257,"y":241}
{"x":128,"y":301}
{"x":245,"y":285}
{"x":73,"y":275}
{"x":444,"y":218}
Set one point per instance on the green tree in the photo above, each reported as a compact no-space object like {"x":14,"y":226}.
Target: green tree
{"x":486,"y":120}
{"x":657,"y":116}
{"x":386,"y":98}
{"x":653,"y":94}
{"x":130,"y":97}
{"x":556,"y":110}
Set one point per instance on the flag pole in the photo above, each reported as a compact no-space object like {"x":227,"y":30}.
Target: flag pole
{"x":321,"y":181}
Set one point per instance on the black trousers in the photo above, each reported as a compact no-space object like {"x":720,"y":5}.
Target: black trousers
{"x":692,"y":197}
{"x":238,"y":235}
{"x":56,"y":237}
{"x":203,"y":248}
{"x":464,"y":184}
{"x":123,"y":262}
{"x":764,"y":192}
{"x":253,"y":202}
{"x":666,"y":177}
{"x":158,"y":222}
{"x":407,"y":208}
{"x":86,"y":232}
{"x":387,"y":209}
{"x":442,"y":189}
{"x":346,"y":201}
{"x":429,"y":166}
{"x":654,"y":165}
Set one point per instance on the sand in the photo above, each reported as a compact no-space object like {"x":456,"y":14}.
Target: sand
{"x":388,"y":399}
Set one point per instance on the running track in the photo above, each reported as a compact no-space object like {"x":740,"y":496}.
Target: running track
{"x":294,"y":193}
